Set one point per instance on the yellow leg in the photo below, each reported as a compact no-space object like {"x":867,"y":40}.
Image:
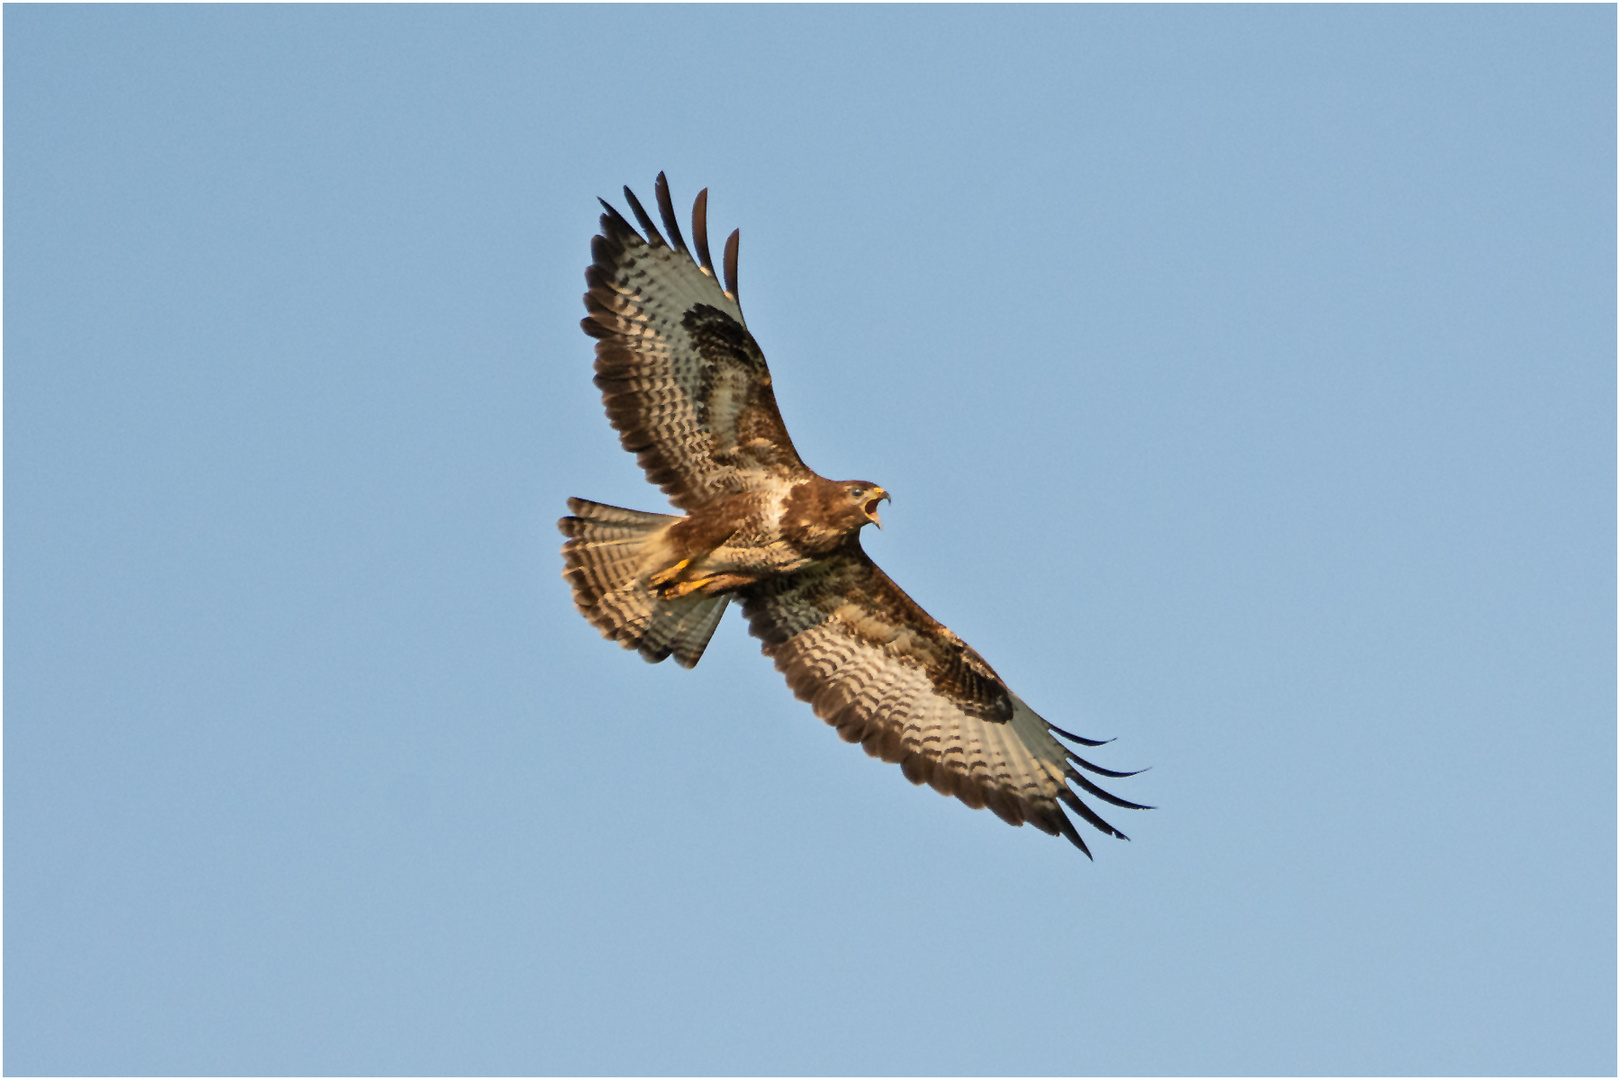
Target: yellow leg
{"x":685,"y":588}
{"x":664,"y":577}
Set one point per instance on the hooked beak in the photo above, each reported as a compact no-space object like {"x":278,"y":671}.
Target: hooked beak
{"x":870,"y":506}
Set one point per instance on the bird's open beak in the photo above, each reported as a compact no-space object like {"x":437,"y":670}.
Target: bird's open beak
{"x":869,"y":507}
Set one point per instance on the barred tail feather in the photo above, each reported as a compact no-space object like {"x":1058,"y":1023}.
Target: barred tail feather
{"x":608,"y":558}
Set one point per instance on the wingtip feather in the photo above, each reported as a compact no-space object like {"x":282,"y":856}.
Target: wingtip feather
{"x":1081,"y":739}
{"x":666,"y":211}
{"x":700,"y":231}
{"x":731,"y":263}
{"x":654,"y":237}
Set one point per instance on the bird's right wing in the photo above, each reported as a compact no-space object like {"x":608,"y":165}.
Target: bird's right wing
{"x":683,"y":380}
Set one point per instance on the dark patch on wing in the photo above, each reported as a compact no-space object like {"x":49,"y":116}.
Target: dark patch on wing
{"x":891,"y":621}
{"x":754,"y":433}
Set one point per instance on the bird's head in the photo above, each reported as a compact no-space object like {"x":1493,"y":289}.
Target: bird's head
{"x":864,"y":497}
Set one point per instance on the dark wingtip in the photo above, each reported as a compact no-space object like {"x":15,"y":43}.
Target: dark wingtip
{"x":666,"y":211}
{"x":1074,"y":802}
{"x":1081,"y":739}
{"x":700,"y":229}
{"x":1073,"y":836}
{"x":654,"y":237}
{"x":1100,"y":771}
{"x":613,"y":221}
{"x":1088,"y":786}
{"x":731,"y":262}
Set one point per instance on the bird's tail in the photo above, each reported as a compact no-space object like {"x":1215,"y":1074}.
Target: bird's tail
{"x":610,"y":556}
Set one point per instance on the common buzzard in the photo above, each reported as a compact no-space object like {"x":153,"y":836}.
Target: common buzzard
{"x":687,"y":389}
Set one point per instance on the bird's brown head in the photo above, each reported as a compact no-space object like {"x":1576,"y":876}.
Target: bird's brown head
{"x":864,"y":498}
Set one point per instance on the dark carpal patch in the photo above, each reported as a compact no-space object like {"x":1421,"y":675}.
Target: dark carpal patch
{"x":752,"y":433}
{"x":726,"y":346}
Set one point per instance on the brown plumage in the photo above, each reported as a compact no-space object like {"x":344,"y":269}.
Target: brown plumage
{"x":686,"y":387}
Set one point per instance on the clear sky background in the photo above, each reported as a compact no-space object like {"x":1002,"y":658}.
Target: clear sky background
{"x":1245,"y":380}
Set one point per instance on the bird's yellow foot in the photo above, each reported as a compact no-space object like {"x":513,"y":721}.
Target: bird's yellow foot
{"x":684,"y":588}
{"x":664,"y":577}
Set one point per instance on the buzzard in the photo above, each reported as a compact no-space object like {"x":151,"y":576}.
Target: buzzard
{"x":687,"y":389}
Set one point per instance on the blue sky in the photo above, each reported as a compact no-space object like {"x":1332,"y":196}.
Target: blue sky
{"x":1245,"y":381}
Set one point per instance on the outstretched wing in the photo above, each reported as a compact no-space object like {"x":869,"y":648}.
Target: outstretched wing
{"x":877,"y":667}
{"x":683,"y":380}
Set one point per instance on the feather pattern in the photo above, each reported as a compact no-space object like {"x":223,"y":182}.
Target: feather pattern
{"x":683,"y":381}
{"x":875,"y":666}
{"x":610,"y":554}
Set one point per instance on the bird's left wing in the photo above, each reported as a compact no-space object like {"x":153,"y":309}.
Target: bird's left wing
{"x":875,"y":665}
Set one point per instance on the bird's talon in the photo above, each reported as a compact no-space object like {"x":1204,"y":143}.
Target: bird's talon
{"x":685,"y":588}
{"x":664,"y":577}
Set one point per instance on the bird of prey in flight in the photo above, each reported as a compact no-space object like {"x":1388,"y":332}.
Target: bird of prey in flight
{"x":687,"y":389}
